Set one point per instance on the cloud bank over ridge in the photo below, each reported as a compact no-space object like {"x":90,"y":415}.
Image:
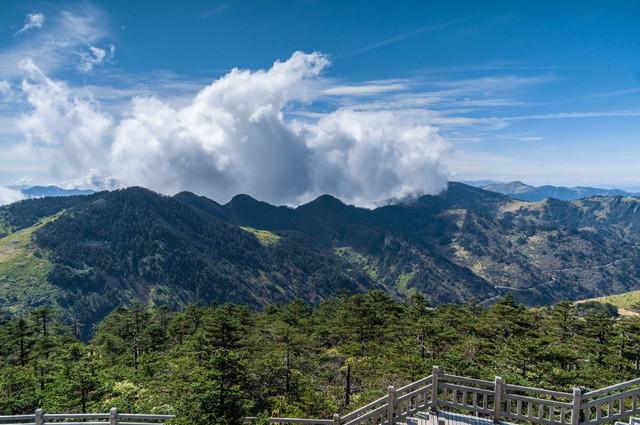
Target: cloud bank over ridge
{"x":8,"y":195}
{"x":237,"y":135}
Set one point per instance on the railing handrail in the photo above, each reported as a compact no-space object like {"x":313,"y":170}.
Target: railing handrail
{"x":113,"y":417}
{"x":374,"y":404}
{"x":532,"y":390}
{"x":60,"y":416}
{"x":414,"y":384}
{"x":16,"y":417}
{"x":475,"y":381}
{"x":610,"y":388}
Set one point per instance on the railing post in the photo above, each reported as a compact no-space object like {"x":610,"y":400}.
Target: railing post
{"x":497,"y":400}
{"x":435,"y":372}
{"x":113,"y":416}
{"x":577,"y":401}
{"x":336,"y":419}
{"x":391,"y":405}
{"x":39,"y":417}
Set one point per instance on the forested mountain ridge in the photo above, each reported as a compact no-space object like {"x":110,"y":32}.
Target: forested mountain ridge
{"x":137,"y":245}
{"x":113,"y":248}
{"x":22,"y":214}
{"x":542,"y":251}
{"x":93,"y":253}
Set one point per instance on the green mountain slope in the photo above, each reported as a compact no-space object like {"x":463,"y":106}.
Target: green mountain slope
{"x":137,"y":245}
{"x":468,"y":242}
{"x":24,"y":270}
{"x":22,"y":214}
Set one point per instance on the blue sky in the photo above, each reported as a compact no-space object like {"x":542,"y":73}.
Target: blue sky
{"x":544,"y":92}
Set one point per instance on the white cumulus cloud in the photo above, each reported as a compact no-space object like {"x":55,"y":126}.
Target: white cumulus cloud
{"x":33,"y":20}
{"x":8,"y":195}
{"x":375,"y":155}
{"x":73,"y":126}
{"x":231,"y":138}
{"x":235,"y":136}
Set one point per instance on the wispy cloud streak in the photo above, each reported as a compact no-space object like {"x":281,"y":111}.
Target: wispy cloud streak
{"x":400,"y":37}
{"x":33,"y":20}
{"x":65,"y":42}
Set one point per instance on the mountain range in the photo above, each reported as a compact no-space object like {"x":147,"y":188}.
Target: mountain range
{"x":51,"y":190}
{"x":85,"y":255}
{"x":524,"y":192}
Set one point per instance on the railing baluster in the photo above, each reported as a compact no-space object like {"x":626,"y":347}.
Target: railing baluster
{"x":391,"y":401}
{"x":435,"y":372}
{"x":39,"y":417}
{"x":497,"y":399}
{"x":577,"y":401}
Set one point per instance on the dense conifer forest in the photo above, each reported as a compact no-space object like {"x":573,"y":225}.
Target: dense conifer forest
{"x":214,"y":364}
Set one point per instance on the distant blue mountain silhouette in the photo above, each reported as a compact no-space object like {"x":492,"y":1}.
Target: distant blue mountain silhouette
{"x":42,"y":191}
{"x":524,"y":192}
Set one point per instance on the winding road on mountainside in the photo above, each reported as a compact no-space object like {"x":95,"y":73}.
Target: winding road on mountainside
{"x":553,"y":278}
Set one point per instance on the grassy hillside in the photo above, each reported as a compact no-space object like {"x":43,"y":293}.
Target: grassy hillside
{"x":624,"y":302}
{"x":265,"y":237}
{"x":23,"y":271}
{"x":23,"y":214}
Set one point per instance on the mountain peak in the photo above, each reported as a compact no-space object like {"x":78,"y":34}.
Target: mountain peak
{"x":131,"y":193}
{"x":242,"y":198}
{"x":460,"y":193}
{"x":327,"y":200}
{"x":325,"y":204}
